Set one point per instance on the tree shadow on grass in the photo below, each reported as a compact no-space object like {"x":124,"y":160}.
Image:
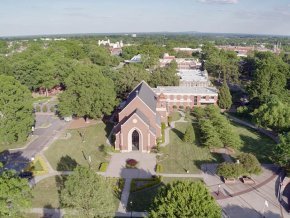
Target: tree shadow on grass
{"x":252,"y":146}
{"x":178,"y":133}
{"x":66,"y":163}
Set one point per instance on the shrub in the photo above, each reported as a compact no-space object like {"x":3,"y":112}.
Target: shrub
{"x":242,"y":110}
{"x":163,"y":126}
{"x":187,"y":109}
{"x":181,"y":107}
{"x":189,"y":135}
{"x":44,"y":108}
{"x":131,"y":163}
{"x":250,"y":163}
{"x":158,"y":168}
{"x":230,"y":170}
{"x":174,"y":107}
{"x":103,"y":166}
{"x":37,"y":108}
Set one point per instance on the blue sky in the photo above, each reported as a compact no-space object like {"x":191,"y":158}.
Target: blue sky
{"x":29,"y":17}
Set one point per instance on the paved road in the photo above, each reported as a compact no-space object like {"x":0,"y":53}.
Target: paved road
{"x":18,"y":159}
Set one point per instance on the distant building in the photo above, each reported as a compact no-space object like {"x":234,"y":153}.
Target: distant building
{"x":134,"y":35}
{"x":115,"y":48}
{"x":135,"y":59}
{"x":188,"y":50}
{"x":182,"y":63}
{"x":140,"y":116}
{"x":194,"y":77}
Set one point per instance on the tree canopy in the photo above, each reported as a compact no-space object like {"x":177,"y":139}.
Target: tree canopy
{"x":16,"y":118}
{"x":281,"y":152}
{"x":88,"y":194}
{"x":88,"y":93}
{"x":15,"y":194}
{"x":225,"y":98}
{"x":184,"y":199}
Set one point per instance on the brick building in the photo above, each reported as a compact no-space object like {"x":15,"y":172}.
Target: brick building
{"x":140,"y":117}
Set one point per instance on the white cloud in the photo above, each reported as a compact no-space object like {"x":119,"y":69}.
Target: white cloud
{"x":220,"y":1}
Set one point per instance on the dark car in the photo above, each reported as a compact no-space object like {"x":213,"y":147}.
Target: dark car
{"x":26,"y":175}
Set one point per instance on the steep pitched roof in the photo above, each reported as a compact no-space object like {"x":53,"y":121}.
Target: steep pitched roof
{"x":145,"y":93}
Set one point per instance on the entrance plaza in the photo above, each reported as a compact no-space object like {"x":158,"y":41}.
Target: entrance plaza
{"x":146,"y":165}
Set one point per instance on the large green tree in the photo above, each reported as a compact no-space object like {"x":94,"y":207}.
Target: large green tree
{"x":273,"y":113}
{"x":281,"y":152}
{"x":225,"y":98}
{"x":16,"y":109}
{"x":88,"y":194}
{"x":209,"y":135}
{"x":189,"y":135}
{"x":88,"y":93}
{"x":185,"y":199}
{"x":15,"y":195}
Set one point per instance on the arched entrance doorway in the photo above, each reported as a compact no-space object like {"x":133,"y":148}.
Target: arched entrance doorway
{"x":135,"y":140}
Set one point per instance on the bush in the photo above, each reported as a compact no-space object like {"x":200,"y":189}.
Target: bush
{"x":242,"y":110}
{"x":189,"y":135}
{"x":250,"y":163}
{"x":103,"y":166}
{"x":44,"y":108}
{"x":37,"y":108}
{"x":163,"y":127}
{"x":158,"y":168}
{"x":230,"y":170}
{"x":174,"y":107}
{"x":131,"y":163}
{"x":181,"y":107}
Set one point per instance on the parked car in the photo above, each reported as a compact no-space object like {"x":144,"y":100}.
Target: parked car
{"x":26,"y":175}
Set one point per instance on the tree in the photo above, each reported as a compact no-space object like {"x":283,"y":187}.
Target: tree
{"x":184,"y":199}
{"x":88,"y":194}
{"x":250,"y":163}
{"x":128,"y":77}
{"x":273,"y":113}
{"x":281,"y":152}
{"x":15,"y":194}
{"x":88,"y":93}
{"x":209,"y":134}
{"x":189,"y":135}
{"x":225,"y":98}
{"x":16,"y":118}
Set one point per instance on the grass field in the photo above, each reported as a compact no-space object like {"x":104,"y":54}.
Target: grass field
{"x":180,"y":156}
{"x":142,"y":200}
{"x":175,"y":115}
{"x":65,"y":154}
{"x":253,"y":142}
{"x":45,"y":194}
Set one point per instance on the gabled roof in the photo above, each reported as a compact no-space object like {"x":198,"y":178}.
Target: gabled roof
{"x":145,"y":93}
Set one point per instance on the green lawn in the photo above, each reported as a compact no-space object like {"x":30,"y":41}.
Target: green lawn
{"x":258,"y":144}
{"x":66,"y":154}
{"x":142,"y":200}
{"x":45,"y":193}
{"x":175,"y":115}
{"x":179,"y":156}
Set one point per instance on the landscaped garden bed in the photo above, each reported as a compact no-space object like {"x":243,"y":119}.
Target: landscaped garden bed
{"x":132,"y":163}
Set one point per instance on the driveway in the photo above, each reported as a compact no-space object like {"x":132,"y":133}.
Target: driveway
{"x":18,"y":159}
{"x":117,"y":165}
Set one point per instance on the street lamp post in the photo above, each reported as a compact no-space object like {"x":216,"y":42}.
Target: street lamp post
{"x":218,"y":191}
{"x":131,"y":204}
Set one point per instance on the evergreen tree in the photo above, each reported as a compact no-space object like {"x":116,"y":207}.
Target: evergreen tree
{"x":225,"y":98}
{"x":210,"y":136}
{"x":185,"y":199}
{"x":189,"y":135}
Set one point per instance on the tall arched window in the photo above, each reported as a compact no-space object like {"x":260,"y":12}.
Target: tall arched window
{"x":135,"y":140}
